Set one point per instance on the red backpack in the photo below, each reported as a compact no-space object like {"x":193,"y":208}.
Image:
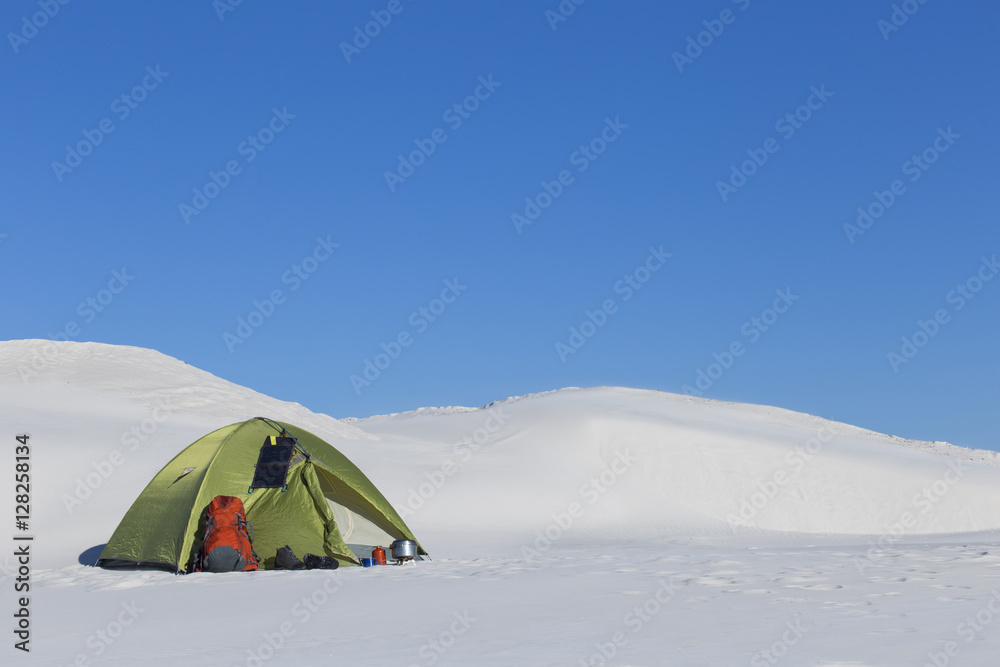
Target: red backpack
{"x":228,"y":545}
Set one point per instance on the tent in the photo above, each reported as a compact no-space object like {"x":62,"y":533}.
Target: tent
{"x":325,"y":505}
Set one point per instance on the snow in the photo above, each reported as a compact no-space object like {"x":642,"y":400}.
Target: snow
{"x":565,"y":527}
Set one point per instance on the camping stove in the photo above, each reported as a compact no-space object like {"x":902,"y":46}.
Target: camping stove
{"x":403,"y":550}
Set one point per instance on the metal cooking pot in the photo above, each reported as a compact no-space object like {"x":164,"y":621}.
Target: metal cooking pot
{"x":404,"y":549}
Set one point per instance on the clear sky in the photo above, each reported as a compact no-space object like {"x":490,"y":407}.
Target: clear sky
{"x":787,"y":203}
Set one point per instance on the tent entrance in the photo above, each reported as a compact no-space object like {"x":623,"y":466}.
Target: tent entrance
{"x":299,"y":518}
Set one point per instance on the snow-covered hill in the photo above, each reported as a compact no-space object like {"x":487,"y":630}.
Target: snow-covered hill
{"x":689,"y":465}
{"x":550,"y":518}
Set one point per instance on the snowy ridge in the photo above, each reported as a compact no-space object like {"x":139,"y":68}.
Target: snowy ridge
{"x":697,"y":466}
{"x":691,"y":465}
{"x":453,"y":409}
{"x":147,"y":378}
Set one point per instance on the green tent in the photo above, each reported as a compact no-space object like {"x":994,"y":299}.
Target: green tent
{"x":326,"y":507}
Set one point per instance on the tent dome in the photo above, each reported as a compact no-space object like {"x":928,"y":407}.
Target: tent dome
{"x":326,"y":506}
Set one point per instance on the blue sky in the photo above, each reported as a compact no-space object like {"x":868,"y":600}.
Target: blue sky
{"x":697,"y":171}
